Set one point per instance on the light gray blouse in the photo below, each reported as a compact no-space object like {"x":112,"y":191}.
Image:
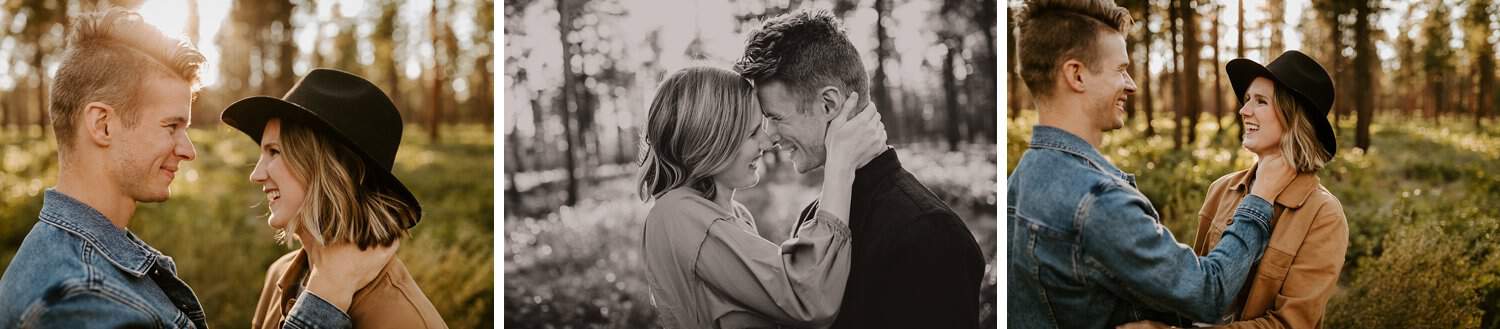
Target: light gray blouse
{"x":708,"y":268}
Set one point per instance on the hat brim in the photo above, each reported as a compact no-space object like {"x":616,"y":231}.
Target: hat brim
{"x":250,"y":115}
{"x":1242,"y":72}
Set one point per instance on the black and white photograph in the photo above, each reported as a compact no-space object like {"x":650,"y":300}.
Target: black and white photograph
{"x":748,"y":163}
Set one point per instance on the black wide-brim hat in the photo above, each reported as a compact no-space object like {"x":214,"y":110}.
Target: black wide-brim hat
{"x":1303,"y":77}
{"x":344,"y":106}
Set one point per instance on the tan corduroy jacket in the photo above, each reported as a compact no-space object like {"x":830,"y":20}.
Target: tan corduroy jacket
{"x":392,"y":300}
{"x":1299,"y":272}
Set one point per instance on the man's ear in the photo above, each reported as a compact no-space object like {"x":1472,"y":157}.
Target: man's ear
{"x":95,"y":121}
{"x":832,"y":100}
{"x":1072,"y":71}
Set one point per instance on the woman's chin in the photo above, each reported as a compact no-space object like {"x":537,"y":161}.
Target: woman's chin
{"x":750,"y":184}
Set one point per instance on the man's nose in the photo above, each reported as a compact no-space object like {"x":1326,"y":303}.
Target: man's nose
{"x":185,"y":149}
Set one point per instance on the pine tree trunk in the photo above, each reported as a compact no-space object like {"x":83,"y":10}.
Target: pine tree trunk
{"x":1363,"y":82}
{"x":1192,"y":49}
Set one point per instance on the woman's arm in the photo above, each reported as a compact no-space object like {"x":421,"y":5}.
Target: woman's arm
{"x":851,"y":143}
{"x":803,"y":279}
{"x":800,"y":281}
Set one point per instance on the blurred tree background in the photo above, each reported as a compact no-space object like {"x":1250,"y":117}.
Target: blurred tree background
{"x":1415,"y":113}
{"x":434,"y":58}
{"x":581,"y":74}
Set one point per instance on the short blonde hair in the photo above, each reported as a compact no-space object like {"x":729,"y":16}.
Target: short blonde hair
{"x":1299,"y":143}
{"x":1052,"y":31}
{"x":108,"y":54}
{"x":344,"y":202}
{"x":698,"y":120}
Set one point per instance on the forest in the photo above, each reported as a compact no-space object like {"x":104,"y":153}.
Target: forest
{"x":581,"y":74}
{"x":433,"y":58}
{"x":1418,"y":167}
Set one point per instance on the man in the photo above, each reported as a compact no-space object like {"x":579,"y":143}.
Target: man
{"x":915,"y":264}
{"x":120,"y":110}
{"x":1086,"y":248}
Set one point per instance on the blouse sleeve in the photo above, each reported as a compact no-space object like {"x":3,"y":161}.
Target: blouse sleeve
{"x":800,"y":281}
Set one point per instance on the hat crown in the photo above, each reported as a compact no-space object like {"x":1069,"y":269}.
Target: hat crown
{"x":354,"y":108}
{"x":1305,"y":77}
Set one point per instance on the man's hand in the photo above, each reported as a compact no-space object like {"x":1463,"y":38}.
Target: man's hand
{"x":339,"y":270}
{"x":1272,"y":174}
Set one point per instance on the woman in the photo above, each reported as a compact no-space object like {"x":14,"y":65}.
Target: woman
{"x":326,"y":152}
{"x":707,"y":267}
{"x":1285,"y":115}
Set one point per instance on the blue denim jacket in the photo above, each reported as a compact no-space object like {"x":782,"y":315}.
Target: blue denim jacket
{"x":77,"y":270}
{"x":1087,"y":249}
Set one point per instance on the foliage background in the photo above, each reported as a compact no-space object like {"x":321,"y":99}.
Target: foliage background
{"x":214,"y":224}
{"x":1422,"y":228}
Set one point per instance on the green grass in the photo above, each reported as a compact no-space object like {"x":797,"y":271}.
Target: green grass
{"x":581,"y":266}
{"x":1420,"y":205}
{"x":214,"y":225}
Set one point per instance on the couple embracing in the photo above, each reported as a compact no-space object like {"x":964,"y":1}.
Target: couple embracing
{"x":1087,"y":249}
{"x":876,"y":250}
{"x":121,"y":109}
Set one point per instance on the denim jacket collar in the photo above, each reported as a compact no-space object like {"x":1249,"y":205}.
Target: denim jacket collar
{"x":1053,"y":138}
{"x":122,"y":248}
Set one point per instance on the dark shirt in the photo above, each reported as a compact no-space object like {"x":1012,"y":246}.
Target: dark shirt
{"x":915,"y":264}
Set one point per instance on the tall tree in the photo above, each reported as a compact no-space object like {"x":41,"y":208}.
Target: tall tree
{"x":1239,"y":52}
{"x":43,"y":20}
{"x":951,"y":34}
{"x":1147,"y":38}
{"x":484,"y":64}
{"x":567,"y":13}
{"x":1327,"y":27}
{"x":1477,"y":31}
{"x":1178,"y":108}
{"x":1437,"y":56}
{"x":1012,"y":67}
{"x":1218,"y":78}
{"x":1364,"y":66}
{"x":983,"y":97}
{"x":283,"y":32}
{"x":879,"y":91}
{"x":1407,"y":56}
{"x":1132,"y":40}
{"x":950,"y":92}
{"x":1192,"y":55}
{"x":384,"y":39}
{"x":1276,"y":20}
{"x":435,"y":28}
{"x":345,"y":43}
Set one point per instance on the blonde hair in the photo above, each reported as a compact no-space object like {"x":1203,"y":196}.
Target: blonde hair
{"x":344,"y":203}
{"x":108,"y":54}
{"x":1299,"y":143}
{"x":698,"y":119}
{"x":1052,"y":31}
